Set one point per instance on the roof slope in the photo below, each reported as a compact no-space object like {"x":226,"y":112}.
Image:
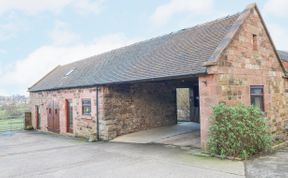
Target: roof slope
{"x":283,"y":55}
{"x":176,"y":54}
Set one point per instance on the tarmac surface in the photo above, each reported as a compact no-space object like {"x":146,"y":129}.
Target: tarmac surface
{"x":36,"y":154}
{"x":274,"y":165}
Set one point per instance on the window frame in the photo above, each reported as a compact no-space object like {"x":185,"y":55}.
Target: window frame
{"x":258,"y":95}
{"x":86,"y":105}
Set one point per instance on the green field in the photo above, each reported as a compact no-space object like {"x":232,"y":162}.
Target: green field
{"x":11,"y":124}
{"x":12,"y":117}
{"x":2,"y":113}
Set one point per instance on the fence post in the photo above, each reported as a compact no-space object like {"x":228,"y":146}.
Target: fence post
{"x":28,"y":121}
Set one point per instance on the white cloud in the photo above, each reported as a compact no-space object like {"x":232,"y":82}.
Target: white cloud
{"x":276,"y":8}
{"x":54,"y":6}
{"x":3,"y":51}
{"x":60,"y":35}
{"x":164,"y":12}
{"x":88,"y":6}
{"x":33,"y":6}
{"x":9,"y":30}
{"x":17,"y":78}
{"x":279,"y":36}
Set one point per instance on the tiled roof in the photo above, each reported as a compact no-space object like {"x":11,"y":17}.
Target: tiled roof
{"x":174,"y":55}
{"x":283,"y":55}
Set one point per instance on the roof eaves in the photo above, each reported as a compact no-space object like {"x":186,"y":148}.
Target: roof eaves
{"x":234,"y":29}
{"x":229,"y":36}
{"x":126,"y":82}
{"x":31,"y":88}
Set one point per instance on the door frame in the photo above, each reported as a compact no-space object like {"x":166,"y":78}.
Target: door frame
{"x":195,"y":103}
{"x":53,"y":117}
{"x":37,"y":113}
{"x":67,"y":108}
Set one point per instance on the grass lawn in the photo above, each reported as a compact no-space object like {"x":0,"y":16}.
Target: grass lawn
{"x":2,"y":113}
{"x":11,"y":124}
{"x":12,"y":117}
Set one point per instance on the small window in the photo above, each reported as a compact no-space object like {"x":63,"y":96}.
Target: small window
{"x":255,"y":41}
{"x":257,"y":96}
{"x":86,"y":106}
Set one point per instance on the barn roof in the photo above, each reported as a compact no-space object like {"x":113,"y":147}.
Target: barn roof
{"x":283,"y":55}
{"x":175,"y":55}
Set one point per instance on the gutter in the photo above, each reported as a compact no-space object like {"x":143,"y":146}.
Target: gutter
{"x":97,"y":112}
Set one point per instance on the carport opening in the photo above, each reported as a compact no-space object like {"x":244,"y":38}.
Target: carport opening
{"x":188,"y":104}
{"x":179,"y":103}
{"x":188,"y":113}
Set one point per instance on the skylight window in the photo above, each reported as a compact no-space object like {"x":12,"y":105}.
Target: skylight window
{"x":69,"y":72}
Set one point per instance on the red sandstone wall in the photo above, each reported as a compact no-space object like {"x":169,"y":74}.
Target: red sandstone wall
{"x":239,"y":67}
{"x":84,"y":126}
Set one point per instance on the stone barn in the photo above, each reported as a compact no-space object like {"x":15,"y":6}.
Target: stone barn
{"x":231,"y":60}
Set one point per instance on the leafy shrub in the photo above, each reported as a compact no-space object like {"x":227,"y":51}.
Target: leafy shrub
{"x":238,"y":131}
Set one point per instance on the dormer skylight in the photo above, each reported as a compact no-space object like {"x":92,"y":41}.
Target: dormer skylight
{"x":69,"y":72}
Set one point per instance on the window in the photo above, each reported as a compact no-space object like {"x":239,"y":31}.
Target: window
{"x":257,"y":96}
{"x":255,"y":42}
{"x":86,"y":106}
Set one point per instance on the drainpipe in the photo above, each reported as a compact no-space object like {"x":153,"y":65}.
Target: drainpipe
{"x":97,"y":112}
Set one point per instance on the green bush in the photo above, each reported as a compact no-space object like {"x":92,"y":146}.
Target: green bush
{"x":238,"y":131}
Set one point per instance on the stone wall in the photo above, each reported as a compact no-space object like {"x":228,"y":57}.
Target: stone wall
{"x":239,"y":67}
{"x":130,"y":108}
{"x":83,"y":126}
{"x":122,"y":108}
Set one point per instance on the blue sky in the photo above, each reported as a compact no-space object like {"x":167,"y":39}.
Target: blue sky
{"x":36,"y":36}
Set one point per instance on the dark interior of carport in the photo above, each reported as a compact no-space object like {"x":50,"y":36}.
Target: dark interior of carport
{"x":173,"y":104}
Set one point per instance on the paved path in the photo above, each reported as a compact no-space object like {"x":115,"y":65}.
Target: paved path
{"x":34,"y":154}
{"x":275,"y":166}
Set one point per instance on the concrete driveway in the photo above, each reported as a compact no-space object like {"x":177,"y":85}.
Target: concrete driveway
{"x":35,"y":154}
{"x":184,"y":134}
{"x":275,"y":165}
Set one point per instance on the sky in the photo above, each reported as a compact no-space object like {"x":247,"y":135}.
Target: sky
{"x":36,"y":36}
